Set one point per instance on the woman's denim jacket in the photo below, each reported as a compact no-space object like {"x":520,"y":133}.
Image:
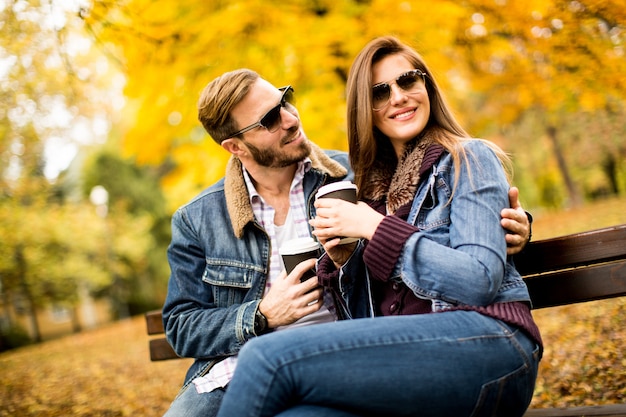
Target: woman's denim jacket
{"x":219,"y":258}
{"x":458,"y":257}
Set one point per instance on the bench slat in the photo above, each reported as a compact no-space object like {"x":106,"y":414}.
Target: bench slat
{"x":161,"y":350}
{"x":611,"y":410}
{"x":154,"y":322}
{"x":578,"y":285}
{"x":569,"y":251}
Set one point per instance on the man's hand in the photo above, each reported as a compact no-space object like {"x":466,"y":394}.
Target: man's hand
{"x":289,"y":300}
{"x":515,"y":222}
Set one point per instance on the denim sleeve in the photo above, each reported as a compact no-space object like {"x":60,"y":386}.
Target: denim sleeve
{"x":194,"y":326}
{"x":459,"y":255}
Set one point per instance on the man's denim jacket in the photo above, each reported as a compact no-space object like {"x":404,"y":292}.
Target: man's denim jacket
{"x":458,"y":257}
{"x":219,"y":260}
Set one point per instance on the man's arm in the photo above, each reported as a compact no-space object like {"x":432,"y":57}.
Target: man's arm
{"x":517,"y":223}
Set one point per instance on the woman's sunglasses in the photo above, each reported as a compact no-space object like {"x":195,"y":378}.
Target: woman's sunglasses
{"x":408,"y":82}
{"x":271,"y":119}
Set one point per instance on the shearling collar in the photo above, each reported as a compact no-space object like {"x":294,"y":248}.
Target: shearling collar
{"x":236,"y":193}
{"x":395,"y":181}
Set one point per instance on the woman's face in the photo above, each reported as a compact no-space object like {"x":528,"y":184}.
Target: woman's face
{"x":406,"y":113}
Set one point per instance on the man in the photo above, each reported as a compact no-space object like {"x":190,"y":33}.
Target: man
{"x":227,"y":282}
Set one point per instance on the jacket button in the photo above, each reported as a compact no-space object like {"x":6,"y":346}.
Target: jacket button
{"x":395,"y":286}
{"x":393,"y":307}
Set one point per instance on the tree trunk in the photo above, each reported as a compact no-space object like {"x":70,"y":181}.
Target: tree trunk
{"x":609,"y":166}
{"x":76,"y":327}
{"x":21,"y":266}
{"x":6,"y":302}
{"x":574,"y":196}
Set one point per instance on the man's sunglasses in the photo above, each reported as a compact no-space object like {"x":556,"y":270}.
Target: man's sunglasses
{"x":271,"y":119}
{"x":408,"y":81}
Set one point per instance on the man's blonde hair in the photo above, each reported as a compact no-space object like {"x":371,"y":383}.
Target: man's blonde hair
{"x":218,"y":99}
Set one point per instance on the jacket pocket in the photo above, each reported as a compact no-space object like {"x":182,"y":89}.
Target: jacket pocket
{"x":231,"y":282}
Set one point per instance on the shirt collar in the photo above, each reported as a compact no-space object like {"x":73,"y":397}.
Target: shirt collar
{"x":304,"y":166}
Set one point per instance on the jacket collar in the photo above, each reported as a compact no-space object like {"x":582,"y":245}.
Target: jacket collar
{"x":236,"y":193}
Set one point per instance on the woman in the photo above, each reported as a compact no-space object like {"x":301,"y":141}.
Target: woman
{"x":457,"y":337}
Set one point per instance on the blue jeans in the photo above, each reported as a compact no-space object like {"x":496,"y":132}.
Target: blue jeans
{"x":456,"y":363}
{"x":188,"y":403}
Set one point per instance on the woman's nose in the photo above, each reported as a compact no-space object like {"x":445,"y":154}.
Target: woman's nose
{"x":396,"y":95}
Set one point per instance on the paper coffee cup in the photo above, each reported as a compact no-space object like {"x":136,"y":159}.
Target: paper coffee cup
{"x":344,"y":190}
{"x":298,"y":250}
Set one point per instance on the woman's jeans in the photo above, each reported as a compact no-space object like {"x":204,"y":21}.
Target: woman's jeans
{"x":455,"y":363}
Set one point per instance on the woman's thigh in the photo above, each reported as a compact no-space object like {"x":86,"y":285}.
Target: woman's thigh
{"x":316,"y":411}
{"x":434,"y":364}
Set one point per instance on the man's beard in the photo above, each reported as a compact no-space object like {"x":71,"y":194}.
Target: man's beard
{"x":270,"y":158}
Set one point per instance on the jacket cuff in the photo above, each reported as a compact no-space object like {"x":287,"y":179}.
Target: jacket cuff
{"x":327,"y":272}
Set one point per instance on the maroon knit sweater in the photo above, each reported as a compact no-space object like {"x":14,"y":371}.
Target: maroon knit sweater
{"x":394,"y":297}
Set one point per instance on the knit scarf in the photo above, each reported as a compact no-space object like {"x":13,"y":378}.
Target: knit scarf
{"x":397,"y":183}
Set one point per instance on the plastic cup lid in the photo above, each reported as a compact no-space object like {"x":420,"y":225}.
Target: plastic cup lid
{"x":300,"y":245}
{"x":335,"y":186}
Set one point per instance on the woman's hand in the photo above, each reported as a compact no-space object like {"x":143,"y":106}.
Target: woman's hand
{"x":337,"y":252}
{"x":337,"y":218}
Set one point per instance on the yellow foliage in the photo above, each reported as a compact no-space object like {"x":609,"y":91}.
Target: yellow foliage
{"x":508,"y":56}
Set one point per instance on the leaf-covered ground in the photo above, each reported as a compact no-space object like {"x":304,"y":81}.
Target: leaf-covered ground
{"x":584,"y":361}
{"x":107,"y":372}
{"x":104,"y":372}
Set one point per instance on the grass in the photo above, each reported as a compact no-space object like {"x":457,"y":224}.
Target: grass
{"x":107,"y":371}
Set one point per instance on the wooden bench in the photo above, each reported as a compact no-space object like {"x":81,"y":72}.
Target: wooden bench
{"x":559,"y":271}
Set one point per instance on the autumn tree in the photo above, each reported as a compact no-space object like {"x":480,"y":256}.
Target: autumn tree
{"x":560,"y":61}
{"x":169,"y":54}
{"x":53,"y":253}
{"x":495,"y":59}
{"x":59,"y":96}
{"x":134,"y":193}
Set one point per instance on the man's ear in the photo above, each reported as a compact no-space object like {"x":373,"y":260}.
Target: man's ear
{"x":233,"y":146}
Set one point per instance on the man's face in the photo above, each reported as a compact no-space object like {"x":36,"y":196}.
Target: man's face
{"x":282,"y":148}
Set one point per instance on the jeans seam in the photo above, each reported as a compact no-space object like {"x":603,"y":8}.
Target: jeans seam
{"x":513,"y":335}
{"x":525,"y":367}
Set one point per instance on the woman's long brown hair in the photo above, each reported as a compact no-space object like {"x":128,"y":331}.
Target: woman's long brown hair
{"x":365,"y":140}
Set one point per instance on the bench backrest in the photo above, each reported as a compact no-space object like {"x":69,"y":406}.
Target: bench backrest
{"x":564,"y":270}
{"x":160,"y":348}
{"x":575,"y":268}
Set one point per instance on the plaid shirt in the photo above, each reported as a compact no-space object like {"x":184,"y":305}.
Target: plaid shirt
{"x":222,"y":372}
{"x":264,"y":214}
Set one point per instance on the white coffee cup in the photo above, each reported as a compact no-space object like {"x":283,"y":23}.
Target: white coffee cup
{"x":298,"y":250}
{"x":344,"y":190}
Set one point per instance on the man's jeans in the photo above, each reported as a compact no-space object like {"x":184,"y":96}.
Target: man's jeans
{"x":455,"y":363}
{"x":189,"y":403}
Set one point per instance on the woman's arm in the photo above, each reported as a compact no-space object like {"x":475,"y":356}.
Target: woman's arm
{"x":459,"y":254}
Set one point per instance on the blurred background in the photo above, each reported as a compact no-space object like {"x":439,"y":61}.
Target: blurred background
{"x":100,"y":143}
